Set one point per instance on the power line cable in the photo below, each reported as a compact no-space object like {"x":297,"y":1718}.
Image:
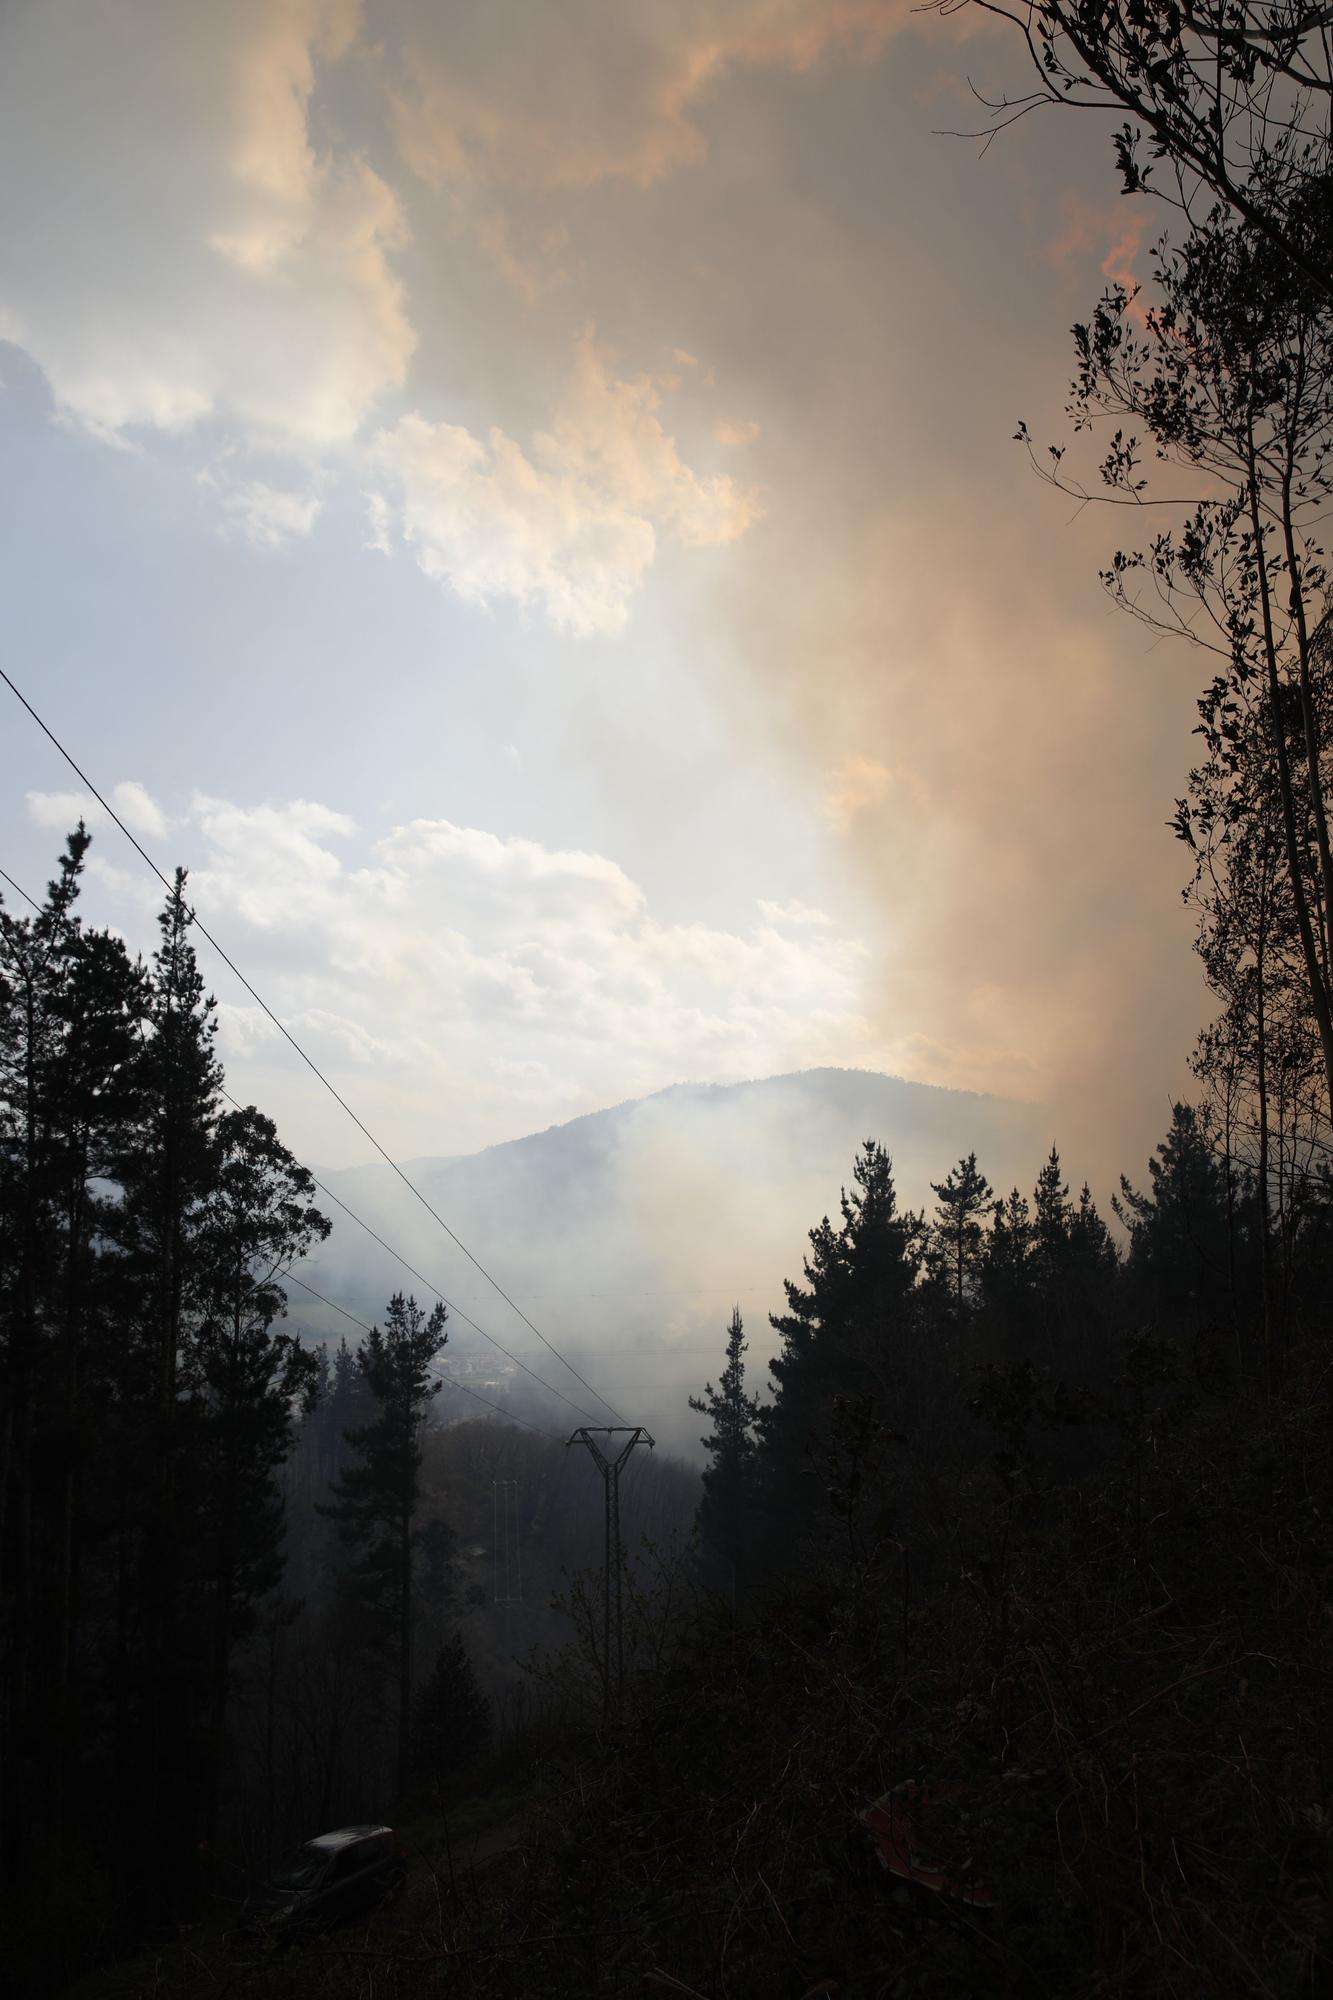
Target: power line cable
{"x":457,"y":1311}
{"x":445,"y":1300}
{"x":289,"y":1277}
{"x":449,"y":1381}
{"x":309,"y":1061}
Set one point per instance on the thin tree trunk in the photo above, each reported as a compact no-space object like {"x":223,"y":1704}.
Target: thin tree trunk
{"x":1309,"y":723}
{"x":1265,"y":1229}
{"x":405,"y":1648}
{"x":1319,"y":995}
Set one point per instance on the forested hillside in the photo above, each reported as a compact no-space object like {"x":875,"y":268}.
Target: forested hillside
{"x":820,"y":1545}
{"x":630,"y":1232}
{"x":242,"y":1581}
{"x":975,"y":1530}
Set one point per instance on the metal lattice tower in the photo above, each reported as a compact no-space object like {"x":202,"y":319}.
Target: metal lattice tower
{"x":613,"y":1638}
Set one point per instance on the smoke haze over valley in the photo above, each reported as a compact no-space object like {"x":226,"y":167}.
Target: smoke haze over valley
{"x":666,"y":771}
{"x":628,"y":1235}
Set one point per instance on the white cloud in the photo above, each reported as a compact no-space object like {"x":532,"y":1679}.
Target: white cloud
{"x":450,"y":959}
{"x":268,"y":517}
{"x":571,"y":523}
{"x":131,"y":800}
{"x":139,"y":809}
{"x":267,"y":864}
{"x":377,"y":511}
{"x":62,"y":810}
{"x":178,"y":247}
{"x":799,"y":914}
{"x":194,"y":245}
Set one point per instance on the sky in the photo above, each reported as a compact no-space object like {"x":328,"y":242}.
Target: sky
{"x":522,"y":502}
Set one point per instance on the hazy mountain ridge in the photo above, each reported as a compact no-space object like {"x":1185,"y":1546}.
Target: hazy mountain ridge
{"x":626,"y":1234}
{"x":825,"y":1081}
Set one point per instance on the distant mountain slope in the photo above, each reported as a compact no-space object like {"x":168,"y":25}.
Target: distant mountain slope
{"x":627,"y":1234}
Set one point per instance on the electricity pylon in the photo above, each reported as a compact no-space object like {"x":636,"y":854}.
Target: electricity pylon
{"x":613,"y":1639}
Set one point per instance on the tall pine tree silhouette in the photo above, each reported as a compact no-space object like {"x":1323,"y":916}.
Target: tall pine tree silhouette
{"x":848,"y":1347}
{"x":726,"y":1510}
{"x":375,"y":1495}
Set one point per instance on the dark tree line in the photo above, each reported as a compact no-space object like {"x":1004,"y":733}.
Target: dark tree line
{"x":148,"y":1393}
{"x":160,"y":1434}
{"x":375,"y":1496}
{"x":920,"y":1356}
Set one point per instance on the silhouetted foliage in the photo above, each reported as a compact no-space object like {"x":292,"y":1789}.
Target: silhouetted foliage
{"x":148,"y":1403}
{"x":1228,"y":96}
{"x":1024,"y":1515}
{"x":375,"y":1494}
{"x":726,"y":1512}
{"x":453,"y":1720}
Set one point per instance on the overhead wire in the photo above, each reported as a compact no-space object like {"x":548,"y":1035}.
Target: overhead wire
{"x":455,"y":1310}
{"x":445,"y":1300}
{"x":309,"y":1061}
{"x":448,"y":1381}
{"x":448,"y":1303}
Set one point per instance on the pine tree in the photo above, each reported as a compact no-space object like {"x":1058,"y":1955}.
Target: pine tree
{"x":375,"y":1495}
{"x":849,"y":1361}
{"x":963,"y":1197}
{"x":728,"y":1480}
{"x":452,"y":1719}
{"x":1180,"y":1247}
{"x":1006,"y":1275}
{"x":70,"y":1005}
{"x":1051,"y":1220}
{"x":256,"y":1220}
{"x":165,"y":1172}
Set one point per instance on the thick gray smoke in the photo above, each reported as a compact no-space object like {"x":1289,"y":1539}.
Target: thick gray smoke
{"x":628,"y":1235}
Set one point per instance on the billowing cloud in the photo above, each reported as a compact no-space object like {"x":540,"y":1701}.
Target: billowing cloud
{"x":133,"y":801}
{"x":903,"y":662}
{"x":491,"y":973}
{"x":178,"y":245}
{"x":571,"y":523}
{"x":800,"y":914}
{"x":531,"y":270}
{"x":567,"y":96}
{"x":268,"y":517}
{"x":270,"y":864}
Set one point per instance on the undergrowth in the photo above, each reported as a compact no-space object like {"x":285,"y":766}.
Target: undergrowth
{"x":1123,"y":1685}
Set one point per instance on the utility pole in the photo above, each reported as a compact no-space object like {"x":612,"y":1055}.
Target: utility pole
{"x":610,"y":1469}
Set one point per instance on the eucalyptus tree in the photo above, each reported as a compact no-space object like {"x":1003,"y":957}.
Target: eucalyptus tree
{"x":1260,"y":1060}
{"x":1225,"y":99}
{"x":1229,"y":375}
